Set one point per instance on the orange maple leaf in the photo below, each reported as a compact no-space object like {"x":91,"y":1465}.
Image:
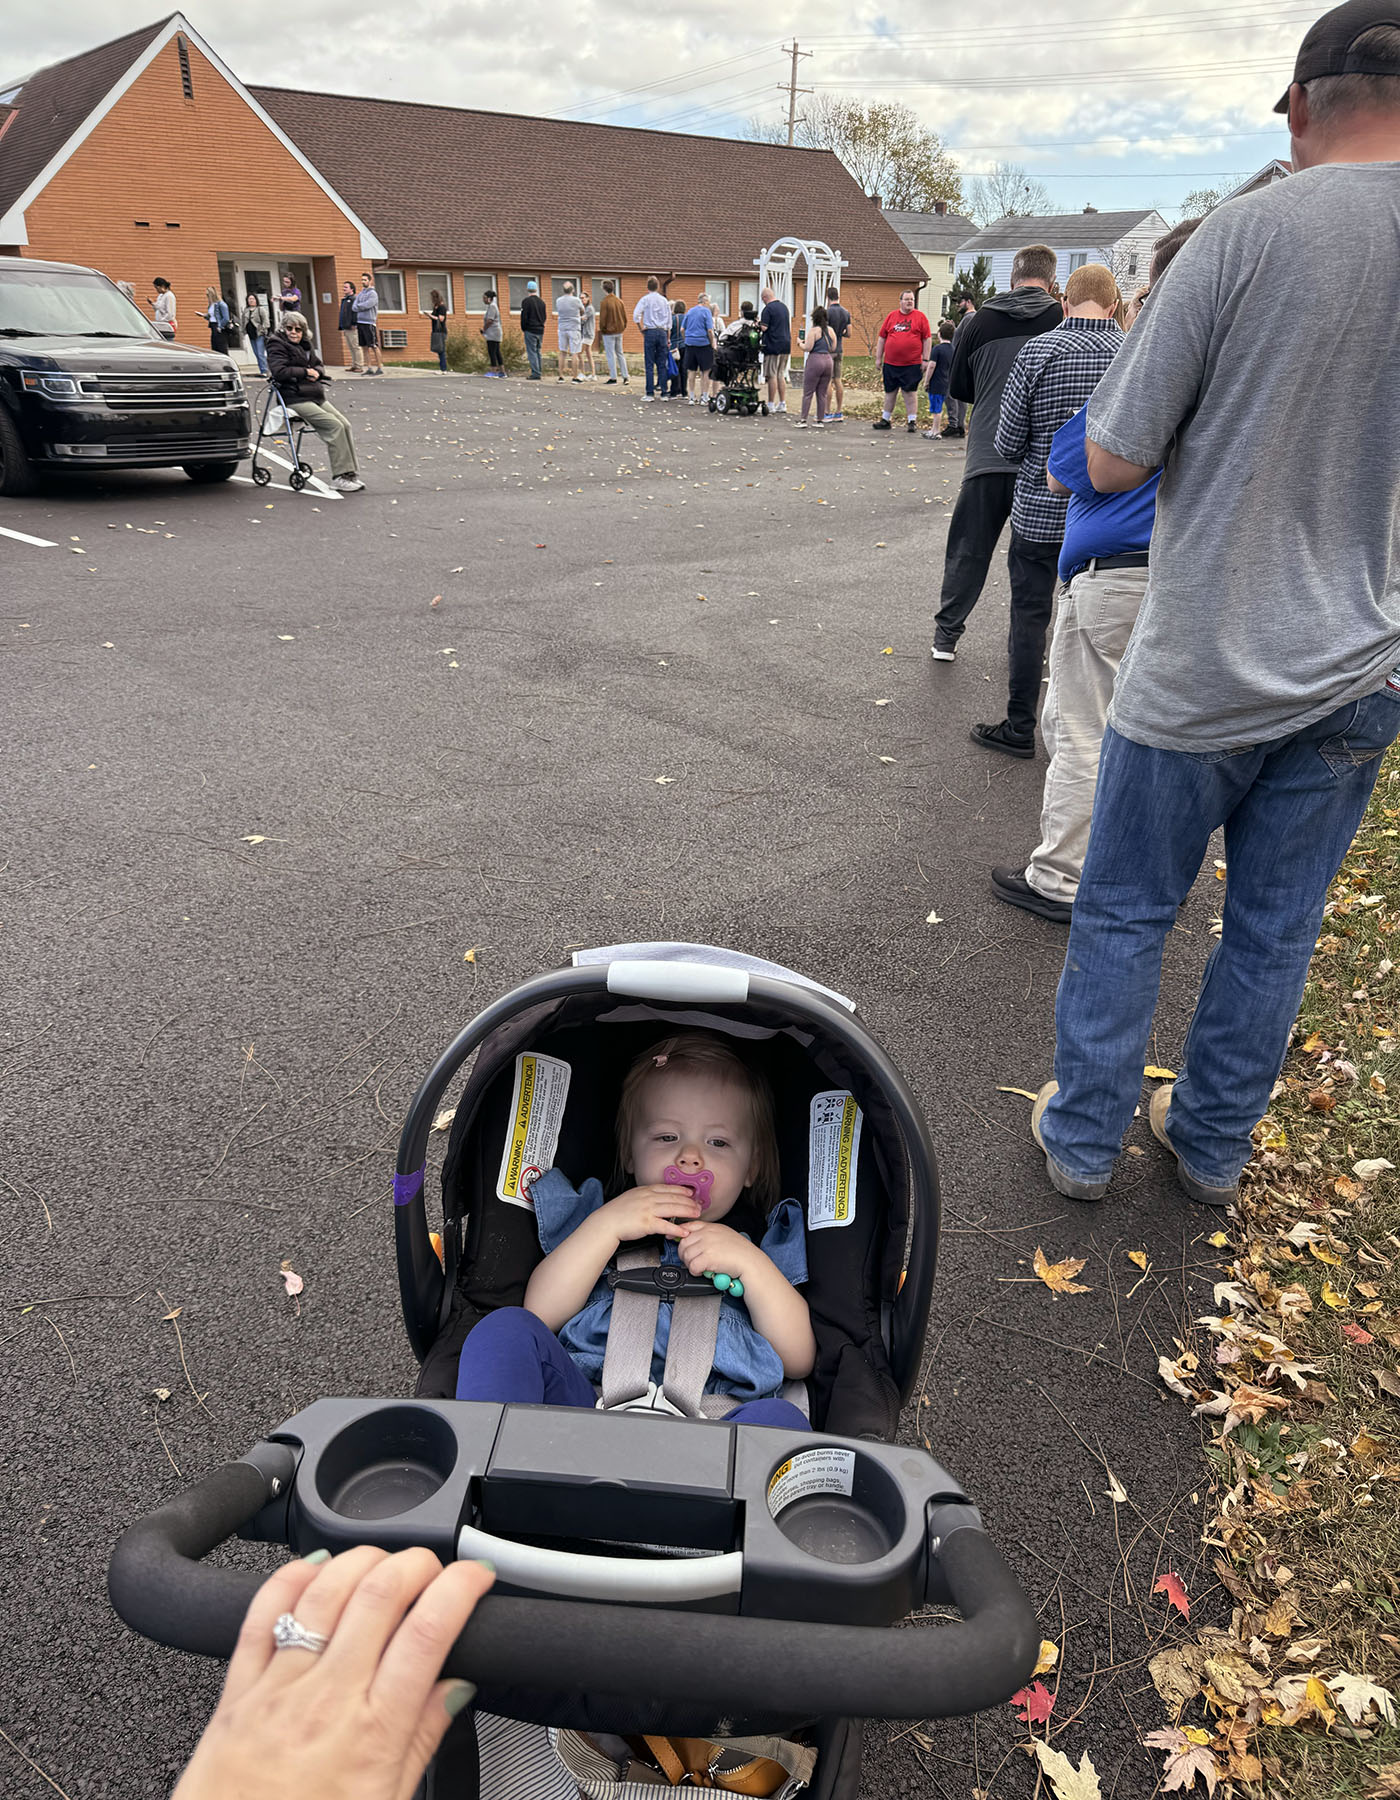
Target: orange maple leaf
{"x":1170,"y":1585}
{"x":1059,"y":1277}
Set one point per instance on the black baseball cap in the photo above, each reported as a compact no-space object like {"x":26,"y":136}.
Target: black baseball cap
{"x":1326,"y":50}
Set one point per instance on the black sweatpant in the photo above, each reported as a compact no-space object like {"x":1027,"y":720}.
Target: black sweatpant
{"x":1032,"y":566}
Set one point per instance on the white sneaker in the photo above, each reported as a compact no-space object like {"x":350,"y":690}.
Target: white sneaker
{"x":944,"y":655}
{"x":347,"y":484}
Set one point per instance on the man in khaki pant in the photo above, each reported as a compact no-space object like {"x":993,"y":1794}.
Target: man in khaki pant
{"x":1104,"y":567}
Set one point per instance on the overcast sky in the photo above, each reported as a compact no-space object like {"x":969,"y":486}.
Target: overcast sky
{"x":1114,"y":105}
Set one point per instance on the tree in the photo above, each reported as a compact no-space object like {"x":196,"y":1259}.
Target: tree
{"x":1006,"y":191}
{"x":1200,"y":201}
{"x":974,"y":284}
{"x":883,"y":146}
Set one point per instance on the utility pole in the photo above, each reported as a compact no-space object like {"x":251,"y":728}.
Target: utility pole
{"x":791,"y":89}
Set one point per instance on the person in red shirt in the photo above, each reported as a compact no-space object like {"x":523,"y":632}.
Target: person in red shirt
{"x":901,"y":353}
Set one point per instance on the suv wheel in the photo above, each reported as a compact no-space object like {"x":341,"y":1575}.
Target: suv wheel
{"x":17,"y":473}
{"x":206,"y":472}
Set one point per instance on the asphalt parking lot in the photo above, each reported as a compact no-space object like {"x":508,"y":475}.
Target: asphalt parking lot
{"x":295,"y":783}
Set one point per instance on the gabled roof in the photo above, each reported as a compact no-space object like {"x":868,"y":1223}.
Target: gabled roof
{"x":51,"y":114}
{"x":503,"y":192}
{"x":1062,"y":231}
{"x":1276,"y":169}
{"x":54,"y":103}
{"x":931,"y":234}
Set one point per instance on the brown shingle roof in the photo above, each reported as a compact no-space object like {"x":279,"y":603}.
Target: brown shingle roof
{"x":54,"y":102}
{"x":500,"y":191}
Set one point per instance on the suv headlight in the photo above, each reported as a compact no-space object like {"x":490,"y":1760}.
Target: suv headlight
{"x":59,"y":387}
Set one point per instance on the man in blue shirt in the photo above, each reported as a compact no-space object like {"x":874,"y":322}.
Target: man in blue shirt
{"x":698,"y":339}
{"x":1103,"y":564}
{"x":775,"y":322}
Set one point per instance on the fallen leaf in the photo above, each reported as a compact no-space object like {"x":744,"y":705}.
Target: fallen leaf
{"x":1364,"y":1446}
{"x":160,"y":1393}
{"x":444,"y":1118}
{"x":285,"y":638}
{"x":1153,"y":1073}
{"x":1186,"y":1759}
{"x":664,"y":780}
{"x":174,"y":1313}
{"x":1138,"y":1258}
{"x":1034,"y":1704}
{"x":1176,"y":1674}
{"x":254,"y":839}
{"x":1330,"y":1297}
{"x":1115,"y":1490}
{"x":1370,"y":1168}
{"x":1170,"y":1585}
{"x":1347,"y":1189}
{"x":436,"y":600}
{"x":882,"y":703}
{"x":1025,"y":1093}
{"x":886,"y":759}
{"x":1218,"y":1240}
{"x":1357,"y":1333}
{"x":291,"y":1280}
{"x":1388,"y":1382}
{"x":1322,"y":1100}
{"x":1059,"y":1277}
{"x":1386,"y":1786}
{"x":469,"y":956}
{"x":888,"y":650}
{"x":1067,"y":1782}
{"x":1313,"y":1043}
{"x":933,"y":919}
{"x":1049,"y":1656}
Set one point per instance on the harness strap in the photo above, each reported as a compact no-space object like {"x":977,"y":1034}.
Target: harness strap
{"x":690,"y":1347}
{"x":631,"y":1334}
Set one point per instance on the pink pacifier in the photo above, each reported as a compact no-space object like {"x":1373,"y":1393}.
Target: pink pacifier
{"x":702,"y":1180}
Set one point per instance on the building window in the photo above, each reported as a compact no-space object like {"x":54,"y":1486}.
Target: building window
{"x":142,"y":224}
{"x":1132,"y":264}
{"x":427,"y":281}
{"x":388,"y":284}
{"x":186,"y":74}
{"x":518,"y":285}
{"x":748,"y":290}
{"x":474,"y":291}
{"x":556,"y":286}
{"x":1078,"y":258}
{"x":172,"y":224}
{"x":950,"y":265}
{"x":595,"y":286}
{"x":719,"y":293}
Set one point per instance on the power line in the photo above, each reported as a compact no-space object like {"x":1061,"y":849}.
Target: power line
{"x":1235,"y":18}
{"x":1172,"y":73}
{"x":603,"y":103}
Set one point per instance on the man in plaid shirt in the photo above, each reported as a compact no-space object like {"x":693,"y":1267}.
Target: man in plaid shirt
{"x":1052,"y":377}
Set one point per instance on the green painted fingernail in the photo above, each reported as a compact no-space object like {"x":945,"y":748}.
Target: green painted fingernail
{"x":318,"y":1556}
{"x":489,"y":1567}
{"x":458,"y":1698}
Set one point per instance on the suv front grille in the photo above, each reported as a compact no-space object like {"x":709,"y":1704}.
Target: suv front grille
{"x":169,"y":390}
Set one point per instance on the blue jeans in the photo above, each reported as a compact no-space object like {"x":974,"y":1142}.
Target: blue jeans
{"x":1290,"y":809}
{"x":654,"y":347}
{"x":259,"y":352}
{"x":533,"y":340}
{"x":514,"y":1358}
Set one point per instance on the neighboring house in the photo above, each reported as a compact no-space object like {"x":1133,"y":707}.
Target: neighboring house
{"x":935,"y":238}
{"x":1271,"y":172}
{"x":1122,"y":240}
{"x":148,"y":156}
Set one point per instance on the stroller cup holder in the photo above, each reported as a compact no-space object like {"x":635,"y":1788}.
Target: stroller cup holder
{"x":630,"y":1508}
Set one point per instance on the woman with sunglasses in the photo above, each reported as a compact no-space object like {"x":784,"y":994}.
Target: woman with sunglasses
{"x":300,"y":377}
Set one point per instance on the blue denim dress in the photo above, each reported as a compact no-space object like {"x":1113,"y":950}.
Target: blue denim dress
{"x":746,"y":1364}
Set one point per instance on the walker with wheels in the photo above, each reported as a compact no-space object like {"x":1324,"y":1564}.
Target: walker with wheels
{"x":656,"y":1574}
{"x":291,"y":427}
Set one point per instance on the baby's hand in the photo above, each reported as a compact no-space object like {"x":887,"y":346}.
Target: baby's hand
{"x":720,"y":1249}
{"x":646,"y":1211}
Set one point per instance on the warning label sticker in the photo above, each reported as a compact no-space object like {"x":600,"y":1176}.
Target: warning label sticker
{"x":826,"y":1471}
{"x":532,"y":1133}
{"x":833,"y":1150}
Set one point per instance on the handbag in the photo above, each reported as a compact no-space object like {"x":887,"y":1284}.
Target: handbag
{"x":672,"y":366}
{"x":770,"y":1768}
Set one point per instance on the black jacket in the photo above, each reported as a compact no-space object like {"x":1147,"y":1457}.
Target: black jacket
{"x":287,"y":364}
{"x":532,"y":313}
{"x":985,"y":345}
{"x":348,"y":321}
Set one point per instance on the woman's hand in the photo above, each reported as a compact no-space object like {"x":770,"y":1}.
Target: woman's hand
{"x":361,"y":1719}
{"x":648,"y":1211}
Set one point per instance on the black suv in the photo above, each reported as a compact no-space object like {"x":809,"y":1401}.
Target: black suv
{"x":87,"y":383}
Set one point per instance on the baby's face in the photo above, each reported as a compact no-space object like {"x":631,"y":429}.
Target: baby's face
{"x":696,"y":1121}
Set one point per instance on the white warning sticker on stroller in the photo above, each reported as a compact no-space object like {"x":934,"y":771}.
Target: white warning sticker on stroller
{"x":825,"y":1471}
{"x":532,"y":1129}
{"x":832,"y":1153}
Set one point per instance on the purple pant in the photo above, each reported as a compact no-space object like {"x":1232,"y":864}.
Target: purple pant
{"x":816,"y":379}
{"x":513,"y":1357}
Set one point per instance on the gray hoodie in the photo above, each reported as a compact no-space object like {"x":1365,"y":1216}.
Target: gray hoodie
{"x":987,"y":343}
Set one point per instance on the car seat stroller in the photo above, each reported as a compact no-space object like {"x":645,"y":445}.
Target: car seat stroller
{"x":737,"y":364}
{"x":655,"y":1574}
{"x":277,"y":420}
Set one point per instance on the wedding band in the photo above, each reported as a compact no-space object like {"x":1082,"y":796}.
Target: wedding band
{"x":289,"y":1634}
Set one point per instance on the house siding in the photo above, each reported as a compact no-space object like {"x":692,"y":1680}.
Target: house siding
{"x":207,"y":166}
{"x":1116,"y":255}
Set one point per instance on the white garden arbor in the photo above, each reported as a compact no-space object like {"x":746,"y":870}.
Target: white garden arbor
{"x":778,"y":263}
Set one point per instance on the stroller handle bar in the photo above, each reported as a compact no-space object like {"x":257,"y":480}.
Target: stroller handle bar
{"x":421,"y":1278}
{"x":735,"y":1664}
{"x":604,"y":1577}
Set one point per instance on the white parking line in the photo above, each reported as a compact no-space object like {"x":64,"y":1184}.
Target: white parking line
{"x":283,"y":487}
{"x":23,"y":537}
{"x":312,"y":481}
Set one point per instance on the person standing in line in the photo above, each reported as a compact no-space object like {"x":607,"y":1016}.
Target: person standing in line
{"x":653,"y":313}
{"x":955,"y":410}
{"x":985,"y":345}
{"x":1261,"y":685}
{"x":675,"y":345}
{"x":367,"y":325}
{"x":1052,"y":377}
{"x":838,"y":321}
{"x":775,"y":323}
{"x":216,"y":316}
{"x":257,"y":324}
{"x":698,"y":337}
{"x":289,"y":300}
{"x":164,"y":307}
{"x":901,"y":355}
{"x":532,"y":322}
{"x":568,"y":314}
{"x":300,"y":377}
{"x":1103,"y":565}
{"x":437,"y":340}
{"x":348,"y":328}
{"x":940,"y":362}
{"x":588,"y":326}
{"x":612,"y":322}
{"x":818,"y":345}
{"x":491,"y":332}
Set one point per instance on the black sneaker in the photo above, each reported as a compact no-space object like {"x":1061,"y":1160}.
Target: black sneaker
{"x":1011,"y":885}
{"x":882,"y":425}
{"x":1001,"y":737}
{"x":911,"y":425}
{"x":612,"y":380}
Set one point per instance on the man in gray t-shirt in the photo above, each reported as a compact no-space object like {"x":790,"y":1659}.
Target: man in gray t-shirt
{"x":1260,"y":687}
{"x":568,"y":313}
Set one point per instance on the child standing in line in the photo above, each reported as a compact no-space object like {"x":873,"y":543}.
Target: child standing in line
{"x":940,"y":364}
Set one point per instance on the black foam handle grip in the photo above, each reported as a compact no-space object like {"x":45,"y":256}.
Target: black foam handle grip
{"x":732,"y":1664}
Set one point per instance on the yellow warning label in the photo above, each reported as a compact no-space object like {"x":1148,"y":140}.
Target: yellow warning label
{"x":536,"y":1113}
{"x":833,"y":1155}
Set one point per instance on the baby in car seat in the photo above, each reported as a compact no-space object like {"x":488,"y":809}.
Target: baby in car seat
{"x":695,"y":1135}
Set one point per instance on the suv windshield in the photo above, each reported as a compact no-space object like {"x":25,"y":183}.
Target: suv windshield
{"x":67,"y":303}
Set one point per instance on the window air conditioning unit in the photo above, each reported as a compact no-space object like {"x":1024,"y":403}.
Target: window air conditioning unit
{"x":393,"y":340}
